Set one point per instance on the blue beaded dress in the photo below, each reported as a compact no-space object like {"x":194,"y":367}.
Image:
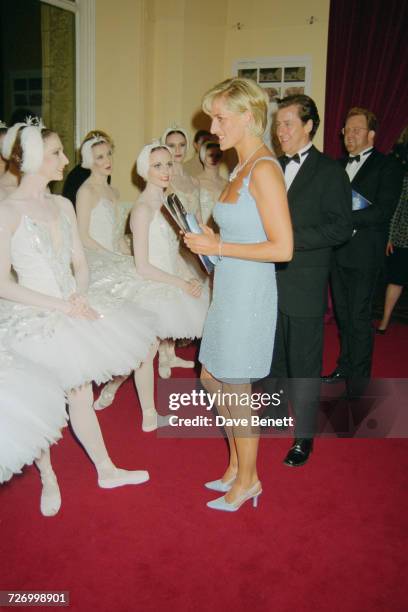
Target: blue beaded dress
{"x":239,"y":331}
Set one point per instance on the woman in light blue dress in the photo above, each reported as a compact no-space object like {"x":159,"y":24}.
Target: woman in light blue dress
{"x":255,"y":232}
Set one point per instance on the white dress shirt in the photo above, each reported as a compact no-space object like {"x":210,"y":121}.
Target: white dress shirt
{"x":292,"y":168}
{"x":354,"y":166}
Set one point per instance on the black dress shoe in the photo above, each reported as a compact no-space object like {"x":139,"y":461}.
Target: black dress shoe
{"x":381,"y":332}
{"x":299,"y":453}
{"x":334,"y":377}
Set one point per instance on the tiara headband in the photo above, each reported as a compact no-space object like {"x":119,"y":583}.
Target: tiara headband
{"x":175,"y":128}
{"x":2,"y":124}
{"x":143,"y":159}
{"x":32,"y":145}
{"x":86,"y":150}
{"x":204,"y":147}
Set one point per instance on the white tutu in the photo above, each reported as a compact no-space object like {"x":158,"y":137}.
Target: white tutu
{"x":76,"y":351}
{"x":79,"y":351}
{"x":32,"y":413}
{"x":179,"y":315}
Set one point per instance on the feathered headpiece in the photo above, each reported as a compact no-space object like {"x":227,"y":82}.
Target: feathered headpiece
{"x":204,"y":147}
{"x":86,"y":150}
{"x":175,"y":128}
{"x":143,"y":159}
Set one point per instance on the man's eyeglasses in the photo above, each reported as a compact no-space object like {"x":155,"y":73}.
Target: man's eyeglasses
{"x":354,"y":131}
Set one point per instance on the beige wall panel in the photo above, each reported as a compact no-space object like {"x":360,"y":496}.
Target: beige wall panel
{"x":278,"y":27}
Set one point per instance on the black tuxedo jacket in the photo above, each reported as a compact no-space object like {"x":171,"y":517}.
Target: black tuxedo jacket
{"x":379,"y":180}
{"x":320,"y":207}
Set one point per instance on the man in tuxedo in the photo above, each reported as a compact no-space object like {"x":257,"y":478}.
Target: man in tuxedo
{"x":356,"y":264}
{"x":319,"y":197}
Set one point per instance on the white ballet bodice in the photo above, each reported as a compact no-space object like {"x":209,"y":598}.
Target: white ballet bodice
{"x":40,"y":265}
{"x":102,"y":224}
{"x":163,"y":244}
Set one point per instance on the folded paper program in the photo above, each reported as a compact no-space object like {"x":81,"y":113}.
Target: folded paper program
{"x":187,"y":222}
{"x":359,"y":201}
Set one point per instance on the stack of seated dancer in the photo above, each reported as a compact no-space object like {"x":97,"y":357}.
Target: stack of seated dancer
{"x":48,"y":318}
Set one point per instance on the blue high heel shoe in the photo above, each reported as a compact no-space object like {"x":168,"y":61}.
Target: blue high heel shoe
{"x":219,"y":485}
{"x":221,"y":504}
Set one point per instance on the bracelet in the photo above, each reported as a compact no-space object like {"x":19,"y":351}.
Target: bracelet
{"x":220,"y":248}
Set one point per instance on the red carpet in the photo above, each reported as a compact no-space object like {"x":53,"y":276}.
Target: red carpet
{"x":327,"y":537}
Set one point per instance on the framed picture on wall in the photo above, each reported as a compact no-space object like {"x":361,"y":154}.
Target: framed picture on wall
{"x":295,"y":73}
{"x":270,"y":75}
{"x":249,"y":73}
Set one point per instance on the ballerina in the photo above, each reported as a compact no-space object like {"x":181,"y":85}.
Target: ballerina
{"x":96,"y":207}
{"x":180,"y":304}
{"x":187,"y":189}
{"x":49,"y":318}
{"x":79,"y":173}
{"x":211,"y":182}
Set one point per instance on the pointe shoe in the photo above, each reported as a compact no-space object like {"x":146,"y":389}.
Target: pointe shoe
{"x":50,"y":501}
{"x":152,"y":420}
{"x":220,"y":485}
{"x":252,"y":493}
{"x":106,"y":397}
{"x":177,"y":362}
{"x":120,"y":478}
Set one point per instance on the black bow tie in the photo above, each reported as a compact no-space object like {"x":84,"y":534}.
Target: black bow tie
{"x":295,"y":158}
{"x":356,"y":158}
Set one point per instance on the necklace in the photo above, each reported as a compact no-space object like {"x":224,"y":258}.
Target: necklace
{"x":239,"y":167}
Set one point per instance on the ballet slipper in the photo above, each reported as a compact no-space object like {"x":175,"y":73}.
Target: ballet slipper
{"x":50,"y":501}
{"x":152,"y":420}
{"x":177,"y":362}
{"x":110,"y":477}
{"x":107,"y":395}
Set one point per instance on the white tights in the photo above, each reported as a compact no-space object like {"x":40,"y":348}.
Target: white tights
{"x":86,"y":427}
{"x":144,"y":381}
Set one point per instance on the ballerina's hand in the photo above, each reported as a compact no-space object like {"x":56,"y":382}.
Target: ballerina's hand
{"x":203,"y":244}
{"x":79,"y":308}
{"x":193,"y":287}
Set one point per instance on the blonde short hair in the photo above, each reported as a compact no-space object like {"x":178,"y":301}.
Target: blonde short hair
{"x":241,"y":95}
